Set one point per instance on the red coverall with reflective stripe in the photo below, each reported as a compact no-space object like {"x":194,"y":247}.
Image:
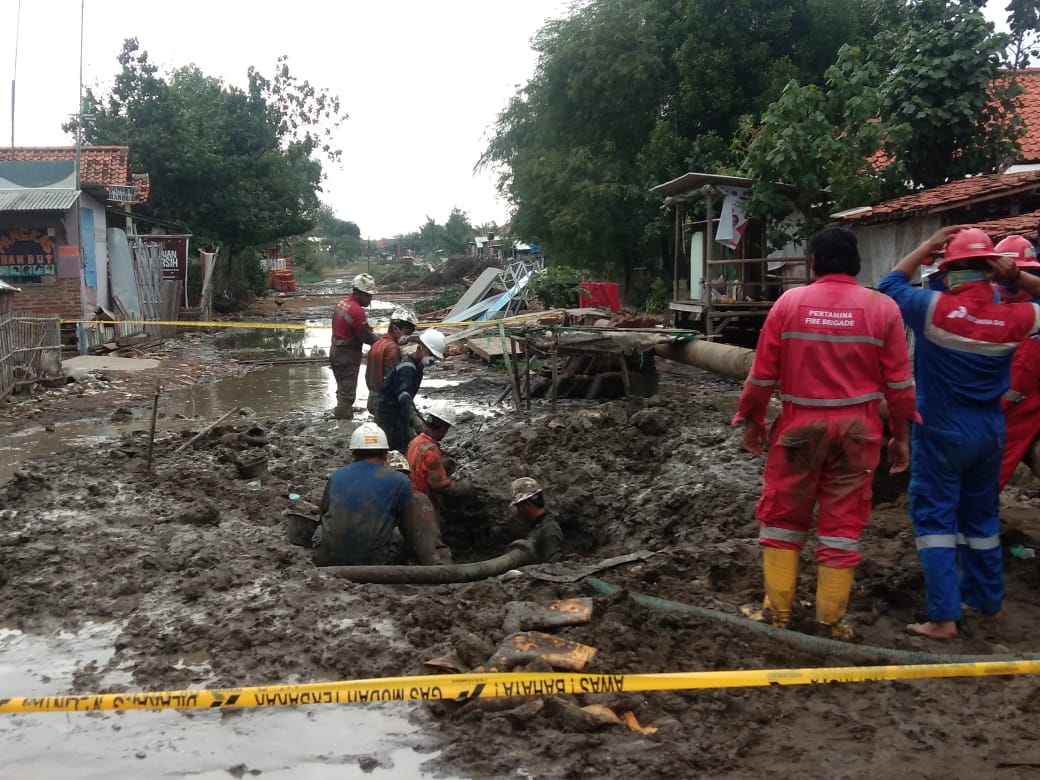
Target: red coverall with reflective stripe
{"x":427,"y":467}
{"x":350,"y":332}
{"x":382,"y":357}
{"x":1021,"y":406}
{"x":835,"y":349}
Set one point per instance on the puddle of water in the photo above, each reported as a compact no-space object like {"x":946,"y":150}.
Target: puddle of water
{"x":301,"y":742}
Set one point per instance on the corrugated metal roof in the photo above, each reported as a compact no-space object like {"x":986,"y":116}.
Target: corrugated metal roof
{"x":37,"y":200}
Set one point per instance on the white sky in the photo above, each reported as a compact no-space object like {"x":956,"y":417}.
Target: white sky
{"x":422,"y":81}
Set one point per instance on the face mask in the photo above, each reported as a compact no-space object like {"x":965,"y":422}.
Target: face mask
{"x":428,"y":360}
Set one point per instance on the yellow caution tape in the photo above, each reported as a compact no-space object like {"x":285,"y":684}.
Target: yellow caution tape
{"x":299,"y":326}
{"x":463,"y":687}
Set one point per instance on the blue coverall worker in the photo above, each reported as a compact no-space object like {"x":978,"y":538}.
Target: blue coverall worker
{"x":962,"y":358}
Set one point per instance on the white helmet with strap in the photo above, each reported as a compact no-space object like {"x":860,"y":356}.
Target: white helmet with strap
{"x":368,"y":436}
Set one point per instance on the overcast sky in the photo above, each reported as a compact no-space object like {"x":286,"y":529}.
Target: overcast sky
{"x":422,"y":81}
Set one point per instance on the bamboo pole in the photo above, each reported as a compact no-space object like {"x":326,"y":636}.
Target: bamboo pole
{"x":527,"y":374}
{"x":555,"y":370}
{"x":510,"y":368}
{"x":206,"y":430}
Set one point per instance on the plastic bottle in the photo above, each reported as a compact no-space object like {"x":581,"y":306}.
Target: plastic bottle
{"x":1023,"y":552}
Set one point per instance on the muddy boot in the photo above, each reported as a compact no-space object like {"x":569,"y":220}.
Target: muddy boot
{"x":780,"y":570}
{"x":343,"y":413}
{"x":833,"y":587}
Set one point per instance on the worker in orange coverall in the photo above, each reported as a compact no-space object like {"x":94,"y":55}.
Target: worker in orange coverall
{"x":1021,"y":402}
{"x":429,"y":474}
{"x":386,"y":353}
{"x":835,"y":350}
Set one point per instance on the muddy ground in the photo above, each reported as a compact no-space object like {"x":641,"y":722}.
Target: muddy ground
{"x":193,"y":565}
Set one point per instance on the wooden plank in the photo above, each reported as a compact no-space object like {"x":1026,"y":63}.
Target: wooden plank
{"x":486,"y":347}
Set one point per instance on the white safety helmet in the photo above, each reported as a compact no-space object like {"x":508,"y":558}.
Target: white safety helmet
{"x":442,"y":412}
{"x":404,"y":315}
{"x":523,"y":489}
{"x":365,"y":283}
{"x":434,"y":341}
{"x":368,"y":436}
{"x":396,"y":461}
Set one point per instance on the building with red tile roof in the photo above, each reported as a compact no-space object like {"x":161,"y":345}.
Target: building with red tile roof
{"x":100,"y":166}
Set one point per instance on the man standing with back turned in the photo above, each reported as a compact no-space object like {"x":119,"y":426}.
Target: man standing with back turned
{"x":962,"y":356}
{"x":835,"y":349}
{"x":350,"y":333}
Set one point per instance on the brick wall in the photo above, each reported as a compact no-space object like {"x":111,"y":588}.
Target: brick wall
{"x":49,"y":297}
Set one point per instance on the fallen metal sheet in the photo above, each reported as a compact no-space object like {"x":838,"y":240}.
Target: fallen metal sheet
{"x":522,"y":615}
{"x":519,"y":649}
{"x":580,"y":574}
{"x":476,"y":292}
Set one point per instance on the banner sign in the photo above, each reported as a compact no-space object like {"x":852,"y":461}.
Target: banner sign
{"x":26,"y":255}
{"x":174,"y":250}
{"x":122,"y":194}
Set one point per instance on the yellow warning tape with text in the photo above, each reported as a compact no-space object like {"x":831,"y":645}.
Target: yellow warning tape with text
{"x":463,"y":687}
{"x":300,"y":325}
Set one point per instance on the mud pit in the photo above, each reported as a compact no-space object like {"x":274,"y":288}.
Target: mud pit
{"x":188,"y":575}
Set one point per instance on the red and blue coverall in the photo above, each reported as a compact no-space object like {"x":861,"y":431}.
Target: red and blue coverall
{"x":836,"y":349}
{"x":962,"y":356}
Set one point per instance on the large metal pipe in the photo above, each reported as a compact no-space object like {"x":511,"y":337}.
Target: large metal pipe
{"x":520,"y":553}
{"x":723,"y":359}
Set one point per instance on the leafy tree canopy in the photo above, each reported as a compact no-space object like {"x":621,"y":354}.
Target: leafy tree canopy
{"x":629,"y":93}
{"x":240,"y":167}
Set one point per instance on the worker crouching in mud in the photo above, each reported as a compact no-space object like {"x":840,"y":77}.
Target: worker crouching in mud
{"x":544,"y":530}
{"x":422,"y":530}
{"x":834,"y":349}
{"x":426,"y":461}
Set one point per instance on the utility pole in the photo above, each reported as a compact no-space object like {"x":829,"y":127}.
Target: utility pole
{"x":14,"y":74}
{"x":79,"y":107}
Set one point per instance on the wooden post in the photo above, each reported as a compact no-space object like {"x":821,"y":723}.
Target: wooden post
{"x":626,"y":383}
{"x":514,"y":360}
{"x":527,"y":374}
{"x":555,"y":370}
{"x":510,"y":368}
{"x":151,"y":430}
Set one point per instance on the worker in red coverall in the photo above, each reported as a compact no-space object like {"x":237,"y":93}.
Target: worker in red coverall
{"x":426,"y":461}
{"x":1021,"y":402}
{"x":386,"y":353}
{"x":834,"y":349}
{"x":350,"y":333}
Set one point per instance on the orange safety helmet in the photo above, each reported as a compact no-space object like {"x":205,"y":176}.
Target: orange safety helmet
{"x":1020,"y":249}
{"x":965,"y":245}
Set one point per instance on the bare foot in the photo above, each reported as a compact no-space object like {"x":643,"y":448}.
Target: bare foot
{"x":944,"y":629}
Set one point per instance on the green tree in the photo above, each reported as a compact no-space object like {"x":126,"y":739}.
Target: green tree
{"x":457,"y":232}
{"x":628,"y":93}
{"x":920,"y":105}
{"x":242,"y":168}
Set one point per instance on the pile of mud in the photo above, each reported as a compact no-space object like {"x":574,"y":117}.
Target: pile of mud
{"x":192,"y":563}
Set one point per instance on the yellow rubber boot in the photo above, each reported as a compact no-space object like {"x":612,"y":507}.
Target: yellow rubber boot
{"x":833,"y":587}
{"x":780,"y":571}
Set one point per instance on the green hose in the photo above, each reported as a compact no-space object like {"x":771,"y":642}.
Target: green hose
{"x":812,"y":644}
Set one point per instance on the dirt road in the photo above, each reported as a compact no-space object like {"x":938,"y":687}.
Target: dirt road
{"x":188,"y":574}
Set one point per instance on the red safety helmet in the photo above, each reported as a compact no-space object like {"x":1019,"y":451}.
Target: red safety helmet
{"x":1019,"y":249}
{"x":965,"y":245}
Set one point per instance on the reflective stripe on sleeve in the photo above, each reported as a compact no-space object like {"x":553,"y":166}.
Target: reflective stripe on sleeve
{"x":936,"y":540}
{"x":1014,"y":396}
{"x":900,"y":385}
{"x":834,"y":339}
{"x":762,"y":382}
{"x":782,"y":534}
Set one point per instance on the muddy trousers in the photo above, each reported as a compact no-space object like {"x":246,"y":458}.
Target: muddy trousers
{"x":819,"y":458}
{"x":346,"y":364}
{"x":955,"y":515}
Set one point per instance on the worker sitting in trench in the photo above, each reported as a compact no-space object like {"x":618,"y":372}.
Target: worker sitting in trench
{"x":422,"y":530}
{"x":364,"y":508}
{"x":544,"y":530}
